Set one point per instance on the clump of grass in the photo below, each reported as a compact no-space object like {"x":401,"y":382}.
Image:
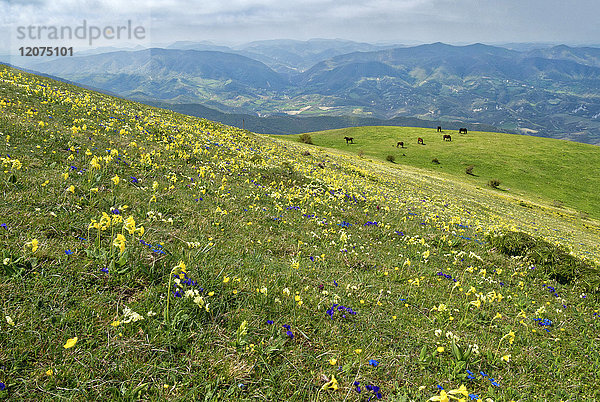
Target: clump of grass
{"x":553,"y":260}
{"x":494,"y":183}
{"x":469,"y":169}
{"x":391,"y":158}
{"x":435,"y":161}
{"x":305,"y":138}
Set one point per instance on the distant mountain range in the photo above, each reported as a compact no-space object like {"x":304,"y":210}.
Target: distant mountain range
{"x":548,"y":91}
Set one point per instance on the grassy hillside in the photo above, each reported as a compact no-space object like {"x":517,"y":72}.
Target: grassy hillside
{"x":150,"y":255}
{"x":558,"y":173}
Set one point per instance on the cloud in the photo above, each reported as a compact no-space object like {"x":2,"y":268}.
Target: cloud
{"x":376,"y":20}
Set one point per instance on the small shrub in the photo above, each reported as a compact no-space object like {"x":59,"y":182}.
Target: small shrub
{"x":391,"y":158}
{"x":469,"y":169}
{"x":361,"y":153}
{"x":435,"y":161}
{"x":305,"y":138}
{"x":494,"y":183}
{"x":555,"y":261}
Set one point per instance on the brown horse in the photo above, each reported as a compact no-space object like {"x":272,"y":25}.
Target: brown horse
{"x":400,"y":144}
{"x":462,"y":130}
{"x":447,"y":137}
{"x":420,"y":141}
{"x":349,"y":140}
{"x":439,"y":129}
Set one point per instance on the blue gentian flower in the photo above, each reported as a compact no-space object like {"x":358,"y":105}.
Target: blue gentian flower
{"x":373,"y":362}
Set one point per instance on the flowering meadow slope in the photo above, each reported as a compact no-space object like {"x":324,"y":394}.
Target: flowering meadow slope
{"x":150,"y":255}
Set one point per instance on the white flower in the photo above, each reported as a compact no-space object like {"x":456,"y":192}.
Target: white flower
{"x":130,"y":315}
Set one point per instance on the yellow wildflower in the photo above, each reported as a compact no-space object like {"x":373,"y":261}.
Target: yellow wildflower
{"x":129,"y":225}
{"x":461,"y":390}
{"x":333,"y":384}
{"x":120,"y":242}
{"x":70,"y":343}
{"x":33,"y":244}
{"x":442,"y":397}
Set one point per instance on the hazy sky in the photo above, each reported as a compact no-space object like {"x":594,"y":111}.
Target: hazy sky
{"x":238,"y":21}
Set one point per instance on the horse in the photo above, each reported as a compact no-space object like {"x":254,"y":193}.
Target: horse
{"x":349,"y":140}
{"x":439,"y":129}
{"x":462,"y":130}
{"x":400,"y":144}
{"x":447,"y":137}
{"x":420,"y":141}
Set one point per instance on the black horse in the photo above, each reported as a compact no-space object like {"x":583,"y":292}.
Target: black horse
{"x":400,"y":144}
{"x":349,"y":140}
{"x":439,"y":129}
{"x":462,"y":130}
{"x":447,"y":137}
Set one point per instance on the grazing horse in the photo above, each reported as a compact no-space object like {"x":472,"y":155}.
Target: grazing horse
{"x":462,"y":130}
{"x":447,"y":137}
{"x":400,"y":144}
{"x":349,"y":140}
{"x":420,"y":141}
{"x":439,"y":130}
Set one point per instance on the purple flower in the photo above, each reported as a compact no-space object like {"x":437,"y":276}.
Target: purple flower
{"x":2,"y":386}
{"x":290,"y":334}
{"x":104,"y":270}
{"x":270,"y":322}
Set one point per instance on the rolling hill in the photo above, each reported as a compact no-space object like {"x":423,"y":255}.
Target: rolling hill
{"x":536,"y":168}
{"x":550,"y":92}
{"x":152,"y":255}
{"x":169,"y":74}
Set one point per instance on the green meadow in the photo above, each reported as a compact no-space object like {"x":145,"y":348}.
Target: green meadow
{"x":555,"y":172}
{"x":147,"y":255}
